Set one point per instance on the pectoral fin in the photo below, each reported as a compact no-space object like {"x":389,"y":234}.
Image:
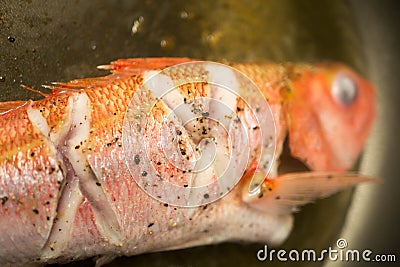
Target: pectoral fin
{"x":286,"y":193}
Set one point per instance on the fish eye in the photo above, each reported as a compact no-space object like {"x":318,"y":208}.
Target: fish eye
{"x":344,"y":89}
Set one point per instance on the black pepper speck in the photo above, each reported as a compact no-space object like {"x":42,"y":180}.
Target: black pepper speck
{"x":137,"y":159}
{"x":4,"y":200}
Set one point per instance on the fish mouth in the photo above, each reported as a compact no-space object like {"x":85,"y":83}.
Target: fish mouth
{"x":288,"y":163}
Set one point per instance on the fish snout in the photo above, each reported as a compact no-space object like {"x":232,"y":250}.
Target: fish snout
{"x":331,"y":112}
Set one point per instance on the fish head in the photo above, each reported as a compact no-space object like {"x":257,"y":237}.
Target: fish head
{"x":331,"y":110}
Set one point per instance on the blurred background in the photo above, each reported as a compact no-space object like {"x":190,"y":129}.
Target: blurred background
{"x":45,"y":41}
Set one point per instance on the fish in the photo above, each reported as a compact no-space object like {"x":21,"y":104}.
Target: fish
{"x":106,"y":166}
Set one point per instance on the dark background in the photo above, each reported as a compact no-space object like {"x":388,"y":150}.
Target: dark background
{"x":45,"y":41}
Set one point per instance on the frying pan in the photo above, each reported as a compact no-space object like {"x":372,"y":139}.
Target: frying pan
{"x":45,"y":41}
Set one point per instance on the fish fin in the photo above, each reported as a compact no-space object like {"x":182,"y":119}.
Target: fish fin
{"x":104,"y":259}
{"x":141,"y":64}
{"x":33,"y":90}
{"x":10,"y":105}
{"x":120,"y":68}
{"x":284,"y":194}
{"x":85,"y":83}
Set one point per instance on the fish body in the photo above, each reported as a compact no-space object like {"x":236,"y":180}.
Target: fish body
{"x":67,"y":193}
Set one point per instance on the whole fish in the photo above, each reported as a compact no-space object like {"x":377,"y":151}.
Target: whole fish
{"x":75,"y":168}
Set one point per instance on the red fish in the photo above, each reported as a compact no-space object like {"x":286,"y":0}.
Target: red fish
{"x":73,"y":180}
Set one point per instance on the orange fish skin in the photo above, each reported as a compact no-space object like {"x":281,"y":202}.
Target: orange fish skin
{"x":324,"y":132}
{"x":64,"y":208}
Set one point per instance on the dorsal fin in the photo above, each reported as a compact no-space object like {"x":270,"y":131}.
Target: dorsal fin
{"x":135,"y":65}
{"x":84,"y":83}
{"x":33,"y":90}
{"x":120,"y":68}
{"x":10,"y":105}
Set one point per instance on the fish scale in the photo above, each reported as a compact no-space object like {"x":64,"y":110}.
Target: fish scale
{"x":29,"y":189}
{"x":67,"y":151}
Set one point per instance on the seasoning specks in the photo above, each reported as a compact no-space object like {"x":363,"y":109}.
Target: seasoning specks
{"x":4,"y":200}
{"x":137,"y":159}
